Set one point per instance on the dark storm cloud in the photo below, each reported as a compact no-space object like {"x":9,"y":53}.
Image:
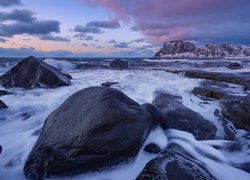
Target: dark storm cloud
{"x":87,"y":29}
{"x":121,"y":45}
{"x":104,"y":24}
{"x":7,"y":3}
{"x":18,"y":15}
{"x":42,"y":27}
{"x":54,"y":38}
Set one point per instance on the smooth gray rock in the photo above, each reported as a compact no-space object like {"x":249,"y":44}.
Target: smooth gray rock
{"x":95,"y":128}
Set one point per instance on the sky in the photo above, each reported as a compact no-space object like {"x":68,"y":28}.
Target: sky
{"x":117,"y":28}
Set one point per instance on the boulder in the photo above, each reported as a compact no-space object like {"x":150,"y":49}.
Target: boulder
{"x":108,"y":84}
{"x":237,"y":109}
{"x":177,"y":116}
{"x":155,"y":113}
{"x":3,"y":93}
{"x":118,"y":63}
{"x":234,"y":66}
{"x":209,"y":91}
{"x":2,"y":105}
{"x":1,"y":149}
{"x":32,"y":72}
{"x":172,"y":165}
{"x":152,"y":148}
{"x":95,"y":128}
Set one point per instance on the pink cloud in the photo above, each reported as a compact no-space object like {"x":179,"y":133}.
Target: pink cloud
{"x":164,"y":20}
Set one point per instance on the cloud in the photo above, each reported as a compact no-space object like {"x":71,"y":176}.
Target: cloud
{"x":85,"y":44}
{"x":112,"y":41}
{"x":137,"y":40}
{"x":53,"y":38}
{"x":2,"y":40}
{"x":121,"y":45}
{"x":89,"y":38}
{"x":18,"y":15}
{"x":112,"y":24}
{"x":165,"y":20}
{"x":87,"y":29}
{"x":42,"y":27}
{"x":7,"y":3}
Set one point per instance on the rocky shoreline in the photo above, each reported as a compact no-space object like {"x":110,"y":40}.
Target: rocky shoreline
{"x":100,"y":127}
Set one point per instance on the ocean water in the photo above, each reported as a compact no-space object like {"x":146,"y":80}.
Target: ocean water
{"x":21,"y":123}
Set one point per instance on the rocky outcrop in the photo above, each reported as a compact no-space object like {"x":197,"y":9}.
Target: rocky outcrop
{"x":108,"y":84}
{"x":209,"y":91}
{"x":97,"y":127}
{"x":119,"y":64}
{"x":235,"y":78}
{"x":172,"y":165}
{"x":3,"y":93}
{"x":182,"y":49}
{"x":32,"y":72}
{"x":237,"y":109}
{"x":2,"y":105}
{"x":177,"y":116}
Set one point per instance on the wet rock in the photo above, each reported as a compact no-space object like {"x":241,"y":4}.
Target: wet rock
{"x":177,"y":116}
{"x":152,"y":148}
{"x":209,"y":91}
{"x":32,"y":72}
{"x":95,"y":128}
{"x":171,"y":165}
{"x":108,"y":84}
{"x":234,"y":66}
{"x":2,"y":105}
{"x":237,"y":110}
{"x":1,"y":149}
{"x":3,"y":93}
{"x":155,"y":113}
{"x":235,"y":78}
{"x":118,"y":63}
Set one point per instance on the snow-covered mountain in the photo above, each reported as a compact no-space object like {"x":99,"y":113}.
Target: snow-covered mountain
{"x":183,"y":49}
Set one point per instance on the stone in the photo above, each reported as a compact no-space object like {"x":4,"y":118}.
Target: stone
{"x":95,"y":128}
{"x":172,"y":165}
{"x":2,"y":105}
{"x":108,"y":84}
{"x":152,"y":148}
{"x":32,"y":72}
{"x":234,"y":66}
{"x":118,"y":63}
{"x":237,"y":110}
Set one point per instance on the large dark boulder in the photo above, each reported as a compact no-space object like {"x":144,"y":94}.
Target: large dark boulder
{"x":95,"y":128}
{"x":171,"y":165}
{"x":2,"y":105}
{"x":209,"y":91}
{"x":237,"y":109}
{"x":118,"y":63}
{"x":32,"y":72}
{"x":177,"y":116}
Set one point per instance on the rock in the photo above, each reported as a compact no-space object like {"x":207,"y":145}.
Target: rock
{"x":152,"y":148}
{"x":209,"y":91}
{"x":1,"y":149}
{"x":183,"y":49}
{"x":155,"y":113}
{"x":234,"y":66}
{"x":95,"y":128}
{"x":177,"y":116}
{"x":171,"y":165}
{"x":32,"y":72}
{"x":108,"y":84}
{"x":237,"y":109}
{"x":242,"y":79}
{"x":2,"y":105}
{"x":118,"y":63}
{"x":3,"y":93}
